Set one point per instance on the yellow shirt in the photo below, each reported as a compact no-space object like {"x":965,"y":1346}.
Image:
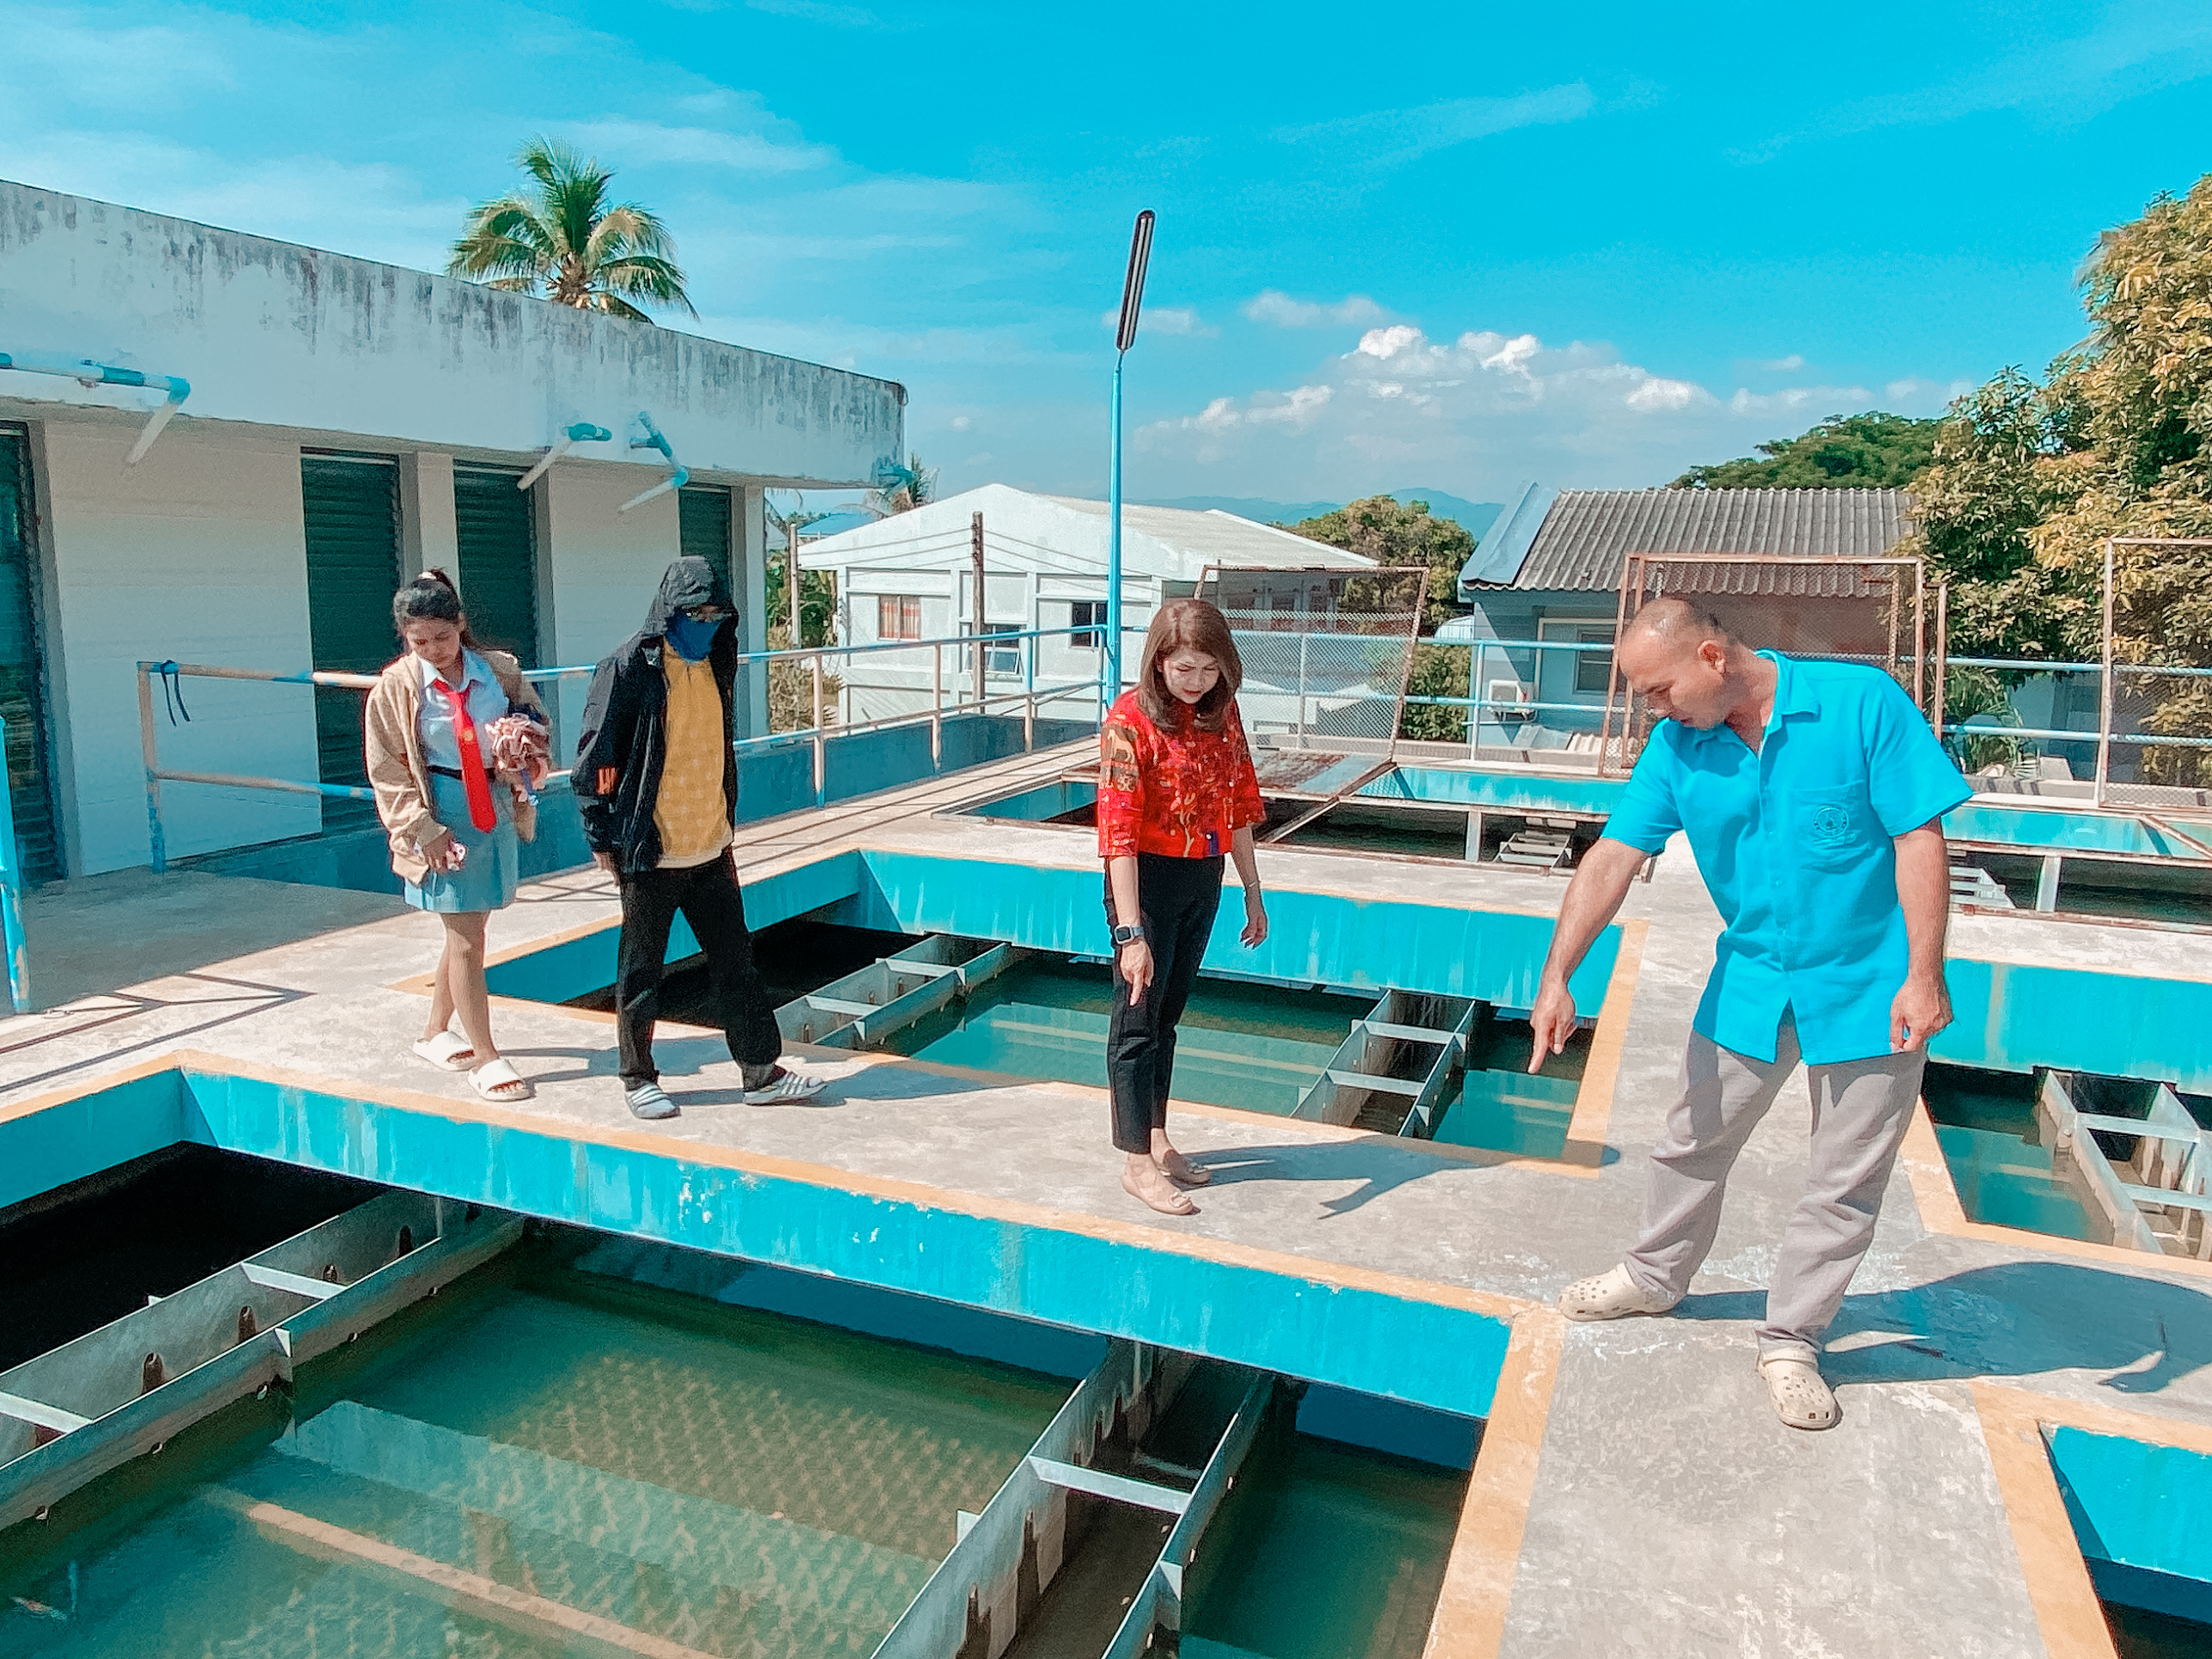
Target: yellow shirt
{"x":690,"y":813}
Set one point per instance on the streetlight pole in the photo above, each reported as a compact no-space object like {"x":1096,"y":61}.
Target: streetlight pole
{"x":1124,"y":335}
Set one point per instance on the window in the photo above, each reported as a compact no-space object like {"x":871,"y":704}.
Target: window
{"x":898,"y":616}
{"x":1593,"y":669}
{"x":1088,"y":614}
{"x":1002,"y":662}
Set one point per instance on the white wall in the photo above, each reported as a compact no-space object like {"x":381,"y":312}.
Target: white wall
{"x":197,"y":553}
{"x":606,"y":567}
{"x":278,"y":335}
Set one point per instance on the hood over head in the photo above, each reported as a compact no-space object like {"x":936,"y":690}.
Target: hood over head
{"x":687,"y":582}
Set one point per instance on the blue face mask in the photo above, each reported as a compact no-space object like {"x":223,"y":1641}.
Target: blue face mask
{"x":689,"y":638}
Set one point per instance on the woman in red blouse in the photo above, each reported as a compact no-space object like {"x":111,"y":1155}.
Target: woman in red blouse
{"x":1175,"y":791}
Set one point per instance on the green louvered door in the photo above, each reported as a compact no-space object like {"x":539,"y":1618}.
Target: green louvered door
{"x":704,"y":510}
{"x":499,"y":559}
{"x":22,"y":699}
{"x":353,"y":570}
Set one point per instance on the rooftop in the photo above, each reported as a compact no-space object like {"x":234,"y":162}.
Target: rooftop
{"x":1580,"y":539}
{"x":1068,"y":534}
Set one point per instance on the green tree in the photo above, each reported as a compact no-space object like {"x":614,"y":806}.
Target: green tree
{"x":1389,"y":533}
{"x":1873,"y":451}
{"x":2031,"y":478}
{"x":566,"y":244}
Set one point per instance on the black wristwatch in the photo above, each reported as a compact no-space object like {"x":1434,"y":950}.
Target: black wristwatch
{"x":1129,"y":933}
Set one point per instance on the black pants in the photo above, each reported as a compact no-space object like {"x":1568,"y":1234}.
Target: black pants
{"x":1178,"y":897}
{"x":708,"y":895}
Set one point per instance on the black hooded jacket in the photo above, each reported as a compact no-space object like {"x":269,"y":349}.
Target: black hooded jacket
{"x":624,"y":741}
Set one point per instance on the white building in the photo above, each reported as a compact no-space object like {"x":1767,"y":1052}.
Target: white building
{"x":347,"y":424}
{"x":912,"y":577}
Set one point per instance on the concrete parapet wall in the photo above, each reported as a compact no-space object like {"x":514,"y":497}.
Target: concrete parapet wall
{"x":279,"y":335}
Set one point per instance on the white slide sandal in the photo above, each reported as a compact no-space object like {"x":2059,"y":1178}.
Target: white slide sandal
{"x":497,"y":1081}
{"x":449,"y":1051}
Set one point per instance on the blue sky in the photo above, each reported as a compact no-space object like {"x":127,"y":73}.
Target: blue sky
{"x":1453,"y":246}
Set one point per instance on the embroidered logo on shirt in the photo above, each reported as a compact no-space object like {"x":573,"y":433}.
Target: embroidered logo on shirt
{"x":1832,"y":825}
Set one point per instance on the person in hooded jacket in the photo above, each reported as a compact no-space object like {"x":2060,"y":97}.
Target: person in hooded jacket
{"x":657,"y":785}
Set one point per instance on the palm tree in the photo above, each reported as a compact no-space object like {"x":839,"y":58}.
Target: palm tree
{"x":901,"y":489}
{"x":567,"y":245}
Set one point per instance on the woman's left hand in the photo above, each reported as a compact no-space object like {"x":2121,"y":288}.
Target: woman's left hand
{"x":1255,"y":920}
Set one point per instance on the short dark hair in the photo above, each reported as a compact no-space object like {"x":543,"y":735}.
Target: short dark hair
{"x":1197,"y":625}
{"x":431,"y":597}
{"x":1671,"y":617}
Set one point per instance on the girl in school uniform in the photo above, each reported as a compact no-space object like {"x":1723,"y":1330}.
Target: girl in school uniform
{"x":455,"y":733}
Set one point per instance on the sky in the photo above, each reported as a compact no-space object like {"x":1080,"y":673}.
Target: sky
{"x":1455,"y":246}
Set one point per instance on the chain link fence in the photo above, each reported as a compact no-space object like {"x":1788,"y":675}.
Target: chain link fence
{"x":1327,"y":652}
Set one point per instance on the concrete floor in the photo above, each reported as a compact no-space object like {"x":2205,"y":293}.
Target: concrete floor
{"x":1671,"y":1513}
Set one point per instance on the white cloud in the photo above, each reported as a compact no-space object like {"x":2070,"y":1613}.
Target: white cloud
{"x":618,"y":143}
{"x":1387,"y":343}
{"x":1813,"y":403}
{"x":112,"y":67}
{"x":1273,"y":306}
{"x":815,"y":12}
{"x":1789,"y":365}
{"x":2134,"y":48}
{"x":1488,"y":406}
{"x":1163,"y":320}
{"x":1391,"y":137}
{"x":961,"y":424}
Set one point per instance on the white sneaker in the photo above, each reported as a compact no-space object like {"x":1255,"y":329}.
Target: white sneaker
{"x":1609,"y":1295}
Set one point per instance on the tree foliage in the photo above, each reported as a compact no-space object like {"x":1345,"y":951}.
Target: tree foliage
{"x":2031,"y":477}
{"x":1390,"y":533}
{"x":1873,"y":451}
{"x":901,"y":489}
{"x":566,"y":244}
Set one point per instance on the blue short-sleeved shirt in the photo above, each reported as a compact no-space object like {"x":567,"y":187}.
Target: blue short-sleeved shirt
{"x":1795,"y":843}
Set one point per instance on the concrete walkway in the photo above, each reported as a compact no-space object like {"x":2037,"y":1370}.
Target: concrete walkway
{"x":1670,"y":1513}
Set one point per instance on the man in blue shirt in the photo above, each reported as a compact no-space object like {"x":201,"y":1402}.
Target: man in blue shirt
{"x":1812,"y":794}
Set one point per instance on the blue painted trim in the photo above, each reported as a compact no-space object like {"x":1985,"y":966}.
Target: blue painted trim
{"x":586,"y":962}
{"x":2142,"y":1514}
{"x":1427,"y":1353}
{"x":2014,"y":1017}
{"x":1504,"y":792}
{"x":70,"y":1140}
{"x":1361,"y":945}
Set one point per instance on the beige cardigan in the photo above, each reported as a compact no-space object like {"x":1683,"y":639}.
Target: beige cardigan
{"x":393,"y":731}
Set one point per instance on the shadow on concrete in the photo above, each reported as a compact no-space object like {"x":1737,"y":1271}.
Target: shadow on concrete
{"x":1380,"y":1164}
{"x":2015,"y":1319}
{"x":100,"y":933}
{"x":230,"y":1000}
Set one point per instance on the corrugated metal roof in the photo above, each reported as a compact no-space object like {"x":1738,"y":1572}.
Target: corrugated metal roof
{"x":1587,"y":535}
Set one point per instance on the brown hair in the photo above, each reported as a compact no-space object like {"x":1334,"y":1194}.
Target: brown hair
{"x":1188,"y":624}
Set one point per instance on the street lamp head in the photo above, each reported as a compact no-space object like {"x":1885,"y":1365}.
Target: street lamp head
{"x":1133,"y":285}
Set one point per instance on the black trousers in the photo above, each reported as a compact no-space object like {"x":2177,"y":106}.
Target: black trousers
{"x":1178,"y":897}
{"x":708,"y":895}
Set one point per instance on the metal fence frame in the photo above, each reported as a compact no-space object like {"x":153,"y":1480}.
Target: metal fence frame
{"x":952,"y":696}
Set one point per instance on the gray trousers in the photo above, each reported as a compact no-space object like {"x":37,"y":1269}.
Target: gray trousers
{"x":1861,"y":1109}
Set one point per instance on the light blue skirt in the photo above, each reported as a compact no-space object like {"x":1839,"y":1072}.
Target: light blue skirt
{"x":488,"y":876}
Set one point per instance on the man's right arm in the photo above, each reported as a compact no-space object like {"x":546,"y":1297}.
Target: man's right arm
{"x":1593,"y":897}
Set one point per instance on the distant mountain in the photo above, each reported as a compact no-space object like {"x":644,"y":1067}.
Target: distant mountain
{"x":1475,"y":516}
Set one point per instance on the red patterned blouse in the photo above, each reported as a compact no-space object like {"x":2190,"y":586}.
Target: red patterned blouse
{"x":1182,"y":793}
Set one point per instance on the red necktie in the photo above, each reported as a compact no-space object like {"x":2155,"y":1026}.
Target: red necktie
{"x":472,"y":766}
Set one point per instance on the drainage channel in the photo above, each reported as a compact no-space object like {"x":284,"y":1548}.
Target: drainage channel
{"x":2124,"y":1161}
{"x":590,"y":1443}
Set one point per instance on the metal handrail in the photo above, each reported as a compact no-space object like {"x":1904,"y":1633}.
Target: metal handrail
{"x":982,"y":700}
